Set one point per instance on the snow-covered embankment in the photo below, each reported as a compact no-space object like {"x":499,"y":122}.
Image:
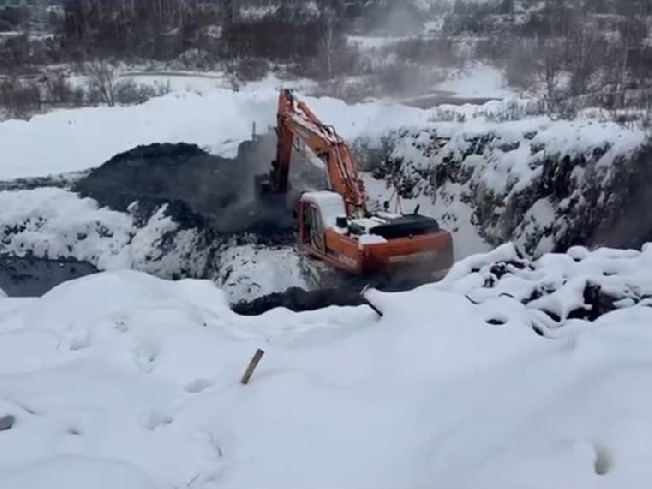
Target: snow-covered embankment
{"x":122,"y":379}
{"x":545,"y":185}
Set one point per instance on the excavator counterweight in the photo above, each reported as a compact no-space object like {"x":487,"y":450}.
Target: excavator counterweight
{"x":335,"y":225}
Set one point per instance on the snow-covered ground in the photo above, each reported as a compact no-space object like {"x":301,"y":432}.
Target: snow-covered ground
{"x":375,"y":42}
{"x":202,"y":83}
{"x":72,"y":140}
{"x":56,"y":223}
{"x":124,"y":380}
{"x":201,"y":109}
{"x":533,"y":181}
{"x":480,"y":81}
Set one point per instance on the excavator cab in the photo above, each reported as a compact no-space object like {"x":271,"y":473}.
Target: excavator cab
{"x":311,"y":226}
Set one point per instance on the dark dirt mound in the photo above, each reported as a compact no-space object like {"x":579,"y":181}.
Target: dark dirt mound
{"x":200,"y":189}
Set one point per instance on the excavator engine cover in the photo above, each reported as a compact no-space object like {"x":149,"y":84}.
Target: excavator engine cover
{"x":406,"y":226}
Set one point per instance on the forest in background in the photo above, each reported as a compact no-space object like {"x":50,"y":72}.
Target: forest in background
{"x":575,"y":52}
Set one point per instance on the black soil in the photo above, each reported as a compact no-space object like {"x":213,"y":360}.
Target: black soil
{"x":201,"y":190}
{"x":299,"y":300}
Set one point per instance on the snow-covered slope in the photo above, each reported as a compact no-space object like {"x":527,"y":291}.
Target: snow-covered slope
{"x":541,"y":183}
{"x":126,"y":378}
{"x":56,"y":223}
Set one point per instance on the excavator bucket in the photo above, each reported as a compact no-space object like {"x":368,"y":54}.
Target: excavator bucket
{"x":263,"y":185}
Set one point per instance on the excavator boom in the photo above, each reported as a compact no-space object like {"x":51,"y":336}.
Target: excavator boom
{"x":295,"y":119}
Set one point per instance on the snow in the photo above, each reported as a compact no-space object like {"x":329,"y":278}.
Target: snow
{"x":219,"y":120}
{"x":123,"y":380}
{"x":56,"y":223}
{"x":76,"y":472}
{"x":255,"y":271}
{"x":330,"y":204}
{"x":204,"y":82}
{"x":490,"y":168}
{"x":3,"y":295}
{"x":479,"y":81}
{"x":375,"y":42}
{"x":370,"y":239}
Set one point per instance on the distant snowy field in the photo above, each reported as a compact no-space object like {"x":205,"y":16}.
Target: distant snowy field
{"x":124,"y":380}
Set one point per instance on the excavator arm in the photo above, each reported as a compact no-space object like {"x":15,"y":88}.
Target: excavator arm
{"x":296,"y":120}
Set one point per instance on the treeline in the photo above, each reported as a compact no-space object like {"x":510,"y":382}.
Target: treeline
{"x":148,"y":29}
{"x":289,"y":31}
{"x":580,"y":52}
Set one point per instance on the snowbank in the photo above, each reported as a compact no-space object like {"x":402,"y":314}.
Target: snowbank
{"x":130,"y":374}
{"x":76,"y":472}
{"x":543,"y":184}
{"x":72,"y":140}
{"x":57,"y":224}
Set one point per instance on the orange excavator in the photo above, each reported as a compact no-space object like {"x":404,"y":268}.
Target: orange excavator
{"x":335,"y":225}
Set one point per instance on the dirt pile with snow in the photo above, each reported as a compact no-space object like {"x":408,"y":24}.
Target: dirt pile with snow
{"x":546,"y":185}
{"x":457,"y":387}
{"x":170,"y":210}
{"x":56,"y":224}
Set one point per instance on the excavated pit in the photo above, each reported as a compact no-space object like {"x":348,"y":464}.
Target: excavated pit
{"x":213,"y":197}
{"x":216,"y":197}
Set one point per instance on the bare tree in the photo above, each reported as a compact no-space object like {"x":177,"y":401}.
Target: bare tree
{"x":552,"y":63}
{"x":585,"y":52}
{"x":102,"y":80}
{"x":328,"y":44}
